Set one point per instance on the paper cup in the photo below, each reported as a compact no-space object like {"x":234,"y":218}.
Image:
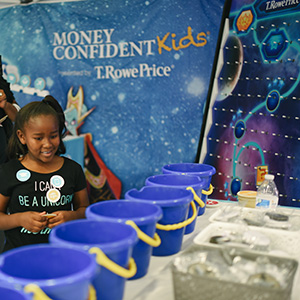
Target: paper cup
{"x":247,"y":198}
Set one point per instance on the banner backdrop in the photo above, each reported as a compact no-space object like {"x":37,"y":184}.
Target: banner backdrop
{"x":143,"y":67}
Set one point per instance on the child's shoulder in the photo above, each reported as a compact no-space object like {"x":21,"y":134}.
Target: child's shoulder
{"x":10,"y":166}
{"x":68,"y":162}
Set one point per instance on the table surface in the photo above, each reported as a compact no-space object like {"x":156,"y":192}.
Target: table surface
{"x":157,"y":283}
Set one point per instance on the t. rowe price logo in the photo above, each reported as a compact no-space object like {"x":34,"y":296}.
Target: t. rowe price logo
{"x":266,"y":7}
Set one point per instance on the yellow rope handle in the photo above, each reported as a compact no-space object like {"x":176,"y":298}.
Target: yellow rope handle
{"x":38,"y":293}
{"x":182,"y":224}
{"x":210,"y":190}
{"x":104,"y":261}
{"x":196,"y":197}
{"x":154,"y":242}
{"x":92,"y":293}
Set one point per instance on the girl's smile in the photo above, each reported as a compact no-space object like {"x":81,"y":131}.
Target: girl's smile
{"x":41,"y":136}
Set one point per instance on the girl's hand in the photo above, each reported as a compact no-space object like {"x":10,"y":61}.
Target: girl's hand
{"x":3,"y":99}
{"x":33,"y":221}
{"x":62,"y":216}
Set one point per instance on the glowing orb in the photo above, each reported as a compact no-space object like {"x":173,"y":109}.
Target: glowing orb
{"x":239,"y":129}
{"x":272,"y":101}
{"x":235,"y":186}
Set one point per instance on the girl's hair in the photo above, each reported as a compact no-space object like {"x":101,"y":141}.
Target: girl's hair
{"x":48,"y":106}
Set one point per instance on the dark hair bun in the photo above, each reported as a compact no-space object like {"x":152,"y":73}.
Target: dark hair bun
{"x":50,"y":100}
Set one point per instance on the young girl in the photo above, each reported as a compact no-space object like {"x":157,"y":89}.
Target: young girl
{"x":39,"y":189}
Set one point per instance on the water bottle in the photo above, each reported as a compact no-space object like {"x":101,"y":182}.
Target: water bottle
{"x":267,"y":194}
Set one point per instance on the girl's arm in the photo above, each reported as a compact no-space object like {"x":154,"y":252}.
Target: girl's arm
{"x":10,"y":109}
{"x":32,"y":221}
{"x":80,"y":203}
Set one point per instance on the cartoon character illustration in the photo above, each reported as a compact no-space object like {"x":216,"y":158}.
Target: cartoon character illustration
{"x":76,"y":111}
{"x":102,"y":183}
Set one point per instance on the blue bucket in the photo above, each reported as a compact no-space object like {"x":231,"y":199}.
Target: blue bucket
{"x":204,"y":171}
{"x":144,"y":215}
{"x":58,"y":272}
{"x":8,"y":292}
{"x":111,"y":242}
{"x":181,"y":181}
{"x":175,"y":206}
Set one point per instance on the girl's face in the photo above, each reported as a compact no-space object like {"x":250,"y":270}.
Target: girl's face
{"x":41,"y":135}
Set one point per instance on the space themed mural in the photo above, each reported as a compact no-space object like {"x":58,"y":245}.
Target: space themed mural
{"x":144,"y":67}
{"x":253,"y":118}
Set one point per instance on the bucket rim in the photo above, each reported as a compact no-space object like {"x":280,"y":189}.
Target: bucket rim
{"x":151,"y":218}
{"x":196,"y":185}
{"x":15,"y":290}
{"x":107,"y":248}
{"x":86,"y":273}
{"x":186,"y":198}
{"x":179,"y":168}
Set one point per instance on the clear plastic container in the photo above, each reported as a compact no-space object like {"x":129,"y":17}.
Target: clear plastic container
{"x":267,"y":194}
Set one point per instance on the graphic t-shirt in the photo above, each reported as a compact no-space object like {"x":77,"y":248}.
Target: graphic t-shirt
{"x":3,"y":144}
{"x":32,"y":191}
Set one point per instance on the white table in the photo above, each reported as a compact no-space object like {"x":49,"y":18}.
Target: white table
{"x":157,"y":283}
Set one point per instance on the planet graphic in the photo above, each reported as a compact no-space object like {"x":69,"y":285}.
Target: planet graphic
{"x":231,"y":70}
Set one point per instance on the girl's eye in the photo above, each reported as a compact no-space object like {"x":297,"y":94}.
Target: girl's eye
{"x":54,"y":136}
{"x":38,"y":138}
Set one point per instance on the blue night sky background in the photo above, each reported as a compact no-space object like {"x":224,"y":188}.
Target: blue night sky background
{"x":139,"y":124}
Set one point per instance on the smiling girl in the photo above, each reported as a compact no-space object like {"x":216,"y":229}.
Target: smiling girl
{"x":39,"y":188}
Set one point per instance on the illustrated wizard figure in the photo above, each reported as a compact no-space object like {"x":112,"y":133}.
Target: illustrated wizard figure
{"x":8,"y":111}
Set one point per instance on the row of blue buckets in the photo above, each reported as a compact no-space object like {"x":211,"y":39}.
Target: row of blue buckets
{"x":92,"y":258}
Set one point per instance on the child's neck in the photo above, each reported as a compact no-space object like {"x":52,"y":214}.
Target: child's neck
{"x":41,"y":167}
